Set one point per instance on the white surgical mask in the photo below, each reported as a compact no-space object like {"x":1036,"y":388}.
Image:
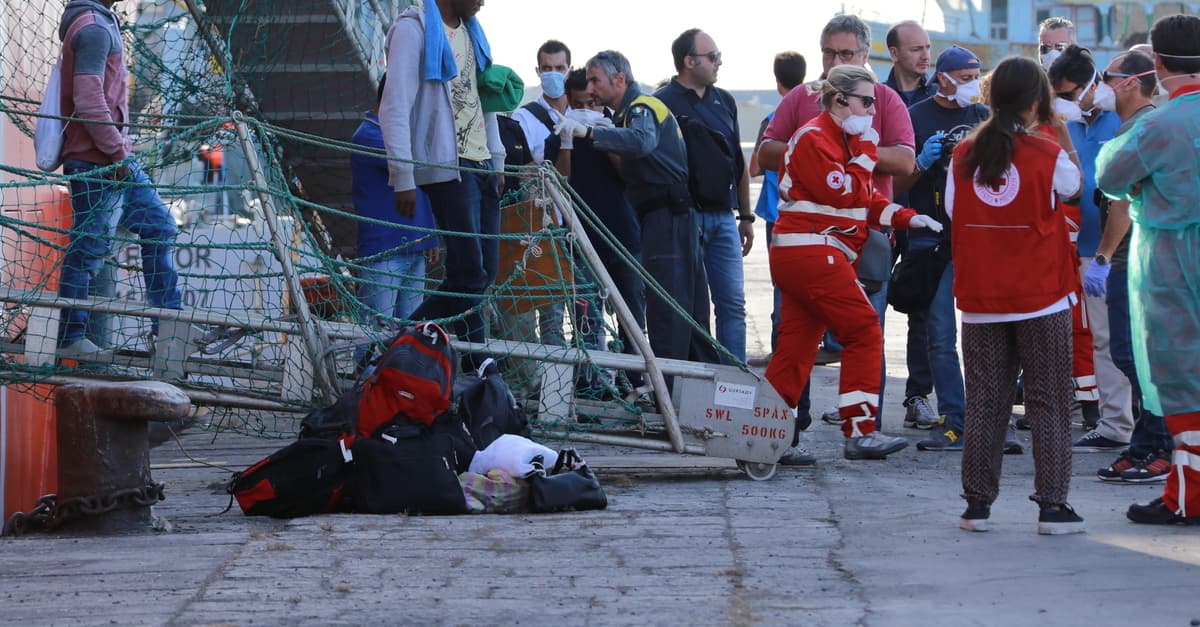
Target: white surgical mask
{"x":553,"y":84}
{"x":1105,"y":98}
{"x":1160,"y":97}
{"x":1068,"y":110}
{"x":965,"y":95}
{"x":1049,"y":57}
{"x":857,"y":124}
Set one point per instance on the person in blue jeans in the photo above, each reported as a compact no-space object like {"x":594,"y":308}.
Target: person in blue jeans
{"x":724,"y":239}
{"x":99,"y":204}
{"x":108,"y":189}
{"x":392,"y":257}
{"x":938,"y":122}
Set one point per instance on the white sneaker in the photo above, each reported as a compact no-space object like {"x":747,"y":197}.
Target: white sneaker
{"x":83,"y":349}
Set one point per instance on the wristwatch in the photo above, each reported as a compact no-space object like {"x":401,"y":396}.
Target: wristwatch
{"x":747,"y":218}
{"x":1102,"y":259}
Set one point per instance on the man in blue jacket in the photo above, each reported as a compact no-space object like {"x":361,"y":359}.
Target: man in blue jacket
{"x":392,"y":256}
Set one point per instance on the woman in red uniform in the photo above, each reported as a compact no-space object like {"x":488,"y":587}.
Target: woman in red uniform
{"x":827,"y":202}
{"x":1015,"y":279}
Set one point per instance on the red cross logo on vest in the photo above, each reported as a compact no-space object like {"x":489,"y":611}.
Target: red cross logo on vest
{"x":1001,"y":194}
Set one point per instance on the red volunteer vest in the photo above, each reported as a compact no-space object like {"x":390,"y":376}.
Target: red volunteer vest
{"x":1012,"y":253}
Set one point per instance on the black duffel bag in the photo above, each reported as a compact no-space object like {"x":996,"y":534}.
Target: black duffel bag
{"x":304,"y":478}
{"x":408,"y":468}
{"x":571,"y":485}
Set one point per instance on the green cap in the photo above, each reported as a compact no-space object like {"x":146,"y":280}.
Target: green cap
{"x":500,"y":89}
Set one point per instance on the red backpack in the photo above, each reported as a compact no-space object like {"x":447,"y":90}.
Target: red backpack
{"x":413,"y":380}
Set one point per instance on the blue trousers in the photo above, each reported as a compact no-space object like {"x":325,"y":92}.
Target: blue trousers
{"x":1149,"y":430}
{"x":98,"y":206}
{"x":469,"y":206}
{"x":721,"y":248}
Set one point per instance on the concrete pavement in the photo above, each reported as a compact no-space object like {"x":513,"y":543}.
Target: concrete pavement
{"x":684,"y":541}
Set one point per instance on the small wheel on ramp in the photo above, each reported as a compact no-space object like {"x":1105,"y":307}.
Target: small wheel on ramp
{"x":757,"y":471}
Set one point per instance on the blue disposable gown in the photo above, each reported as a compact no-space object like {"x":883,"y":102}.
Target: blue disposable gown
{"x":1161,"y":153}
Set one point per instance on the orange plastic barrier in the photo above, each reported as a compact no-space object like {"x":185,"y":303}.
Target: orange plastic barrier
{"x":547,"y":275}
{"x":28,"y":451}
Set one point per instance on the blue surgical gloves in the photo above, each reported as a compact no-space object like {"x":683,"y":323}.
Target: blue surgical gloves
{"x":1095,"y":281}
{"x":931,"y":151}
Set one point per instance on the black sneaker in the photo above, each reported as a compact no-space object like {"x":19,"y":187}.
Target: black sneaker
{"x":975,"y":518}
{"x":1157,"y":513}
{"x":1116,"y":470}
{"x":1093,"y":442}
{"x":1023,"y":423}
{"x":1057,"y":520}
{"x":1091,"y":414}
{"x":948,"y":440}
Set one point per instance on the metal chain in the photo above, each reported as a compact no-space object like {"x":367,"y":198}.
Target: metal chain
{"x":50,"y":514}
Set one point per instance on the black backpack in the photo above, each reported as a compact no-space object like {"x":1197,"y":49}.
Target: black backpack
{"x":553,"y":142}
{"x":487,"y":407}
{"x":710,"y":165}
{"x":516,"y":151}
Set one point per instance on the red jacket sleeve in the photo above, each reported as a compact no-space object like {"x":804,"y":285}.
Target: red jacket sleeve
{"x":818,"y":171}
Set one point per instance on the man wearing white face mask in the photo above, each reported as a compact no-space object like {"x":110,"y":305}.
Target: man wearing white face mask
{"x":1054,"y":35}
{"x":538,"y":118}
{"x":939,"y":123}
{"x":1074,"y":79}
{"x":1128,"y":84}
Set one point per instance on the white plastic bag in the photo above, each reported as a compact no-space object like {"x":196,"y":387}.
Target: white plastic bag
{"x":512,"y":454}
{"x":48,"y":133}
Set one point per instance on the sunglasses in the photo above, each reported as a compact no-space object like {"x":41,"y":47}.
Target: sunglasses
{"x":868,"y":101}
{"x":1111,"y":75}
{"x":712,"y":57}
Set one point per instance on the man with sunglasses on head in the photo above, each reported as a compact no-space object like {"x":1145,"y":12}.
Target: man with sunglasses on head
{"x":1101,"y":389}
{"x":1054,"y":35}
{"x":692,"y":94}
{"x":846,"y":40}
{"x":1128,"y":83}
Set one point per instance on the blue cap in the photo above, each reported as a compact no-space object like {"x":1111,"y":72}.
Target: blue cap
{"x":956,"y":58}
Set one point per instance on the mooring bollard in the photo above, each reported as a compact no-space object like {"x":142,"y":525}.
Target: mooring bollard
{"x":103,"y":451}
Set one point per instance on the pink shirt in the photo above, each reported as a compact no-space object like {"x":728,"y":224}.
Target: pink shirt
{"x":891,"y":122}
